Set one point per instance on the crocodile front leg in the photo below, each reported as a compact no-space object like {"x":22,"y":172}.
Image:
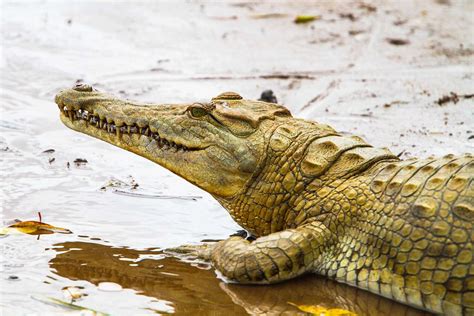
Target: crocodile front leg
{"x":273,"y":258}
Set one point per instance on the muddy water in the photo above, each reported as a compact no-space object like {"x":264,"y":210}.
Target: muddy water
{"x":339,"y":70}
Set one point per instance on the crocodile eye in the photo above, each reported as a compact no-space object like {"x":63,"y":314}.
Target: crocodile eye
{"x":198,"y":112}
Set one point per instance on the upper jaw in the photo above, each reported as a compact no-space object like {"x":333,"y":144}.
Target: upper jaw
{"x":105,"y":117}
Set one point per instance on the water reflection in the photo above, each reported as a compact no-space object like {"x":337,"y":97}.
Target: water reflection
{"x":196,"y":290}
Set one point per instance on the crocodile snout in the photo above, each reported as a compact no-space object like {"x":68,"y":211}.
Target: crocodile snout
{"x":76,"y":97}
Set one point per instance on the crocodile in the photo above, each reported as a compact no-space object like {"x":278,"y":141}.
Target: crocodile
{"x":316,"y":200}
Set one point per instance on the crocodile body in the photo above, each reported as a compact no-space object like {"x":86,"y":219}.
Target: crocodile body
{"x":318,"y":201}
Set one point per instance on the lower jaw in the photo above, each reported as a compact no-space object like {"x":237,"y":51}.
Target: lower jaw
{"x":135,"y":143}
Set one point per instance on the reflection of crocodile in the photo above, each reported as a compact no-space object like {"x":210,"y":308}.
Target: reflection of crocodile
{"x":197,"y":291}
{"x":318,"y":201}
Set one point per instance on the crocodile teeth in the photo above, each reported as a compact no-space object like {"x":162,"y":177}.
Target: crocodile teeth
{"x":109,"y":126}
{"x":82,"y":114}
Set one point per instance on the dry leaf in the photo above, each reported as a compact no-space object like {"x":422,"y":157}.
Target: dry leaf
{"x":319,"y":310}
{"x":33,"y":228}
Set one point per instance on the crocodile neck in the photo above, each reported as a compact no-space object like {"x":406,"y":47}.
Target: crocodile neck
{"x":304,"y":161}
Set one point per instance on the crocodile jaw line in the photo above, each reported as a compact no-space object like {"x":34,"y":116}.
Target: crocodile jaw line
{"x":160,"y":133}
{"x":123,"y":136}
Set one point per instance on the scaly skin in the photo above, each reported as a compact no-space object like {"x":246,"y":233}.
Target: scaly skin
{"x":318,"y":201}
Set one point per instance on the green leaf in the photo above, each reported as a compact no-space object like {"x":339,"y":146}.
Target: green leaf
{"x":301,"y":19}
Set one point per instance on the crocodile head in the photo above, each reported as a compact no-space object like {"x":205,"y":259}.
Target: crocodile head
{"x":217,"y":146}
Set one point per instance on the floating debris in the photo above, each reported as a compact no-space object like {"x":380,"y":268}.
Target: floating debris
{"x":51,"y":160}
{"x":48,"y":151}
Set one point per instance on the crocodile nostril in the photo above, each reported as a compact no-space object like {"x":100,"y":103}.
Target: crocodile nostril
{"x":82,"y":87}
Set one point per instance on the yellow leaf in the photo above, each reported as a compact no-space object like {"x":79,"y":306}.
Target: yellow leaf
{"x":300,"y":19}
{"x":319,"y":310}
{"x":34,"y":228}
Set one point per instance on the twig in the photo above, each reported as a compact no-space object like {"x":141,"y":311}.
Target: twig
{"x":163,"y":197}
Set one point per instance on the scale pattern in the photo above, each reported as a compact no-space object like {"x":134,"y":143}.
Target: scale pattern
{"x":340,"y":208}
